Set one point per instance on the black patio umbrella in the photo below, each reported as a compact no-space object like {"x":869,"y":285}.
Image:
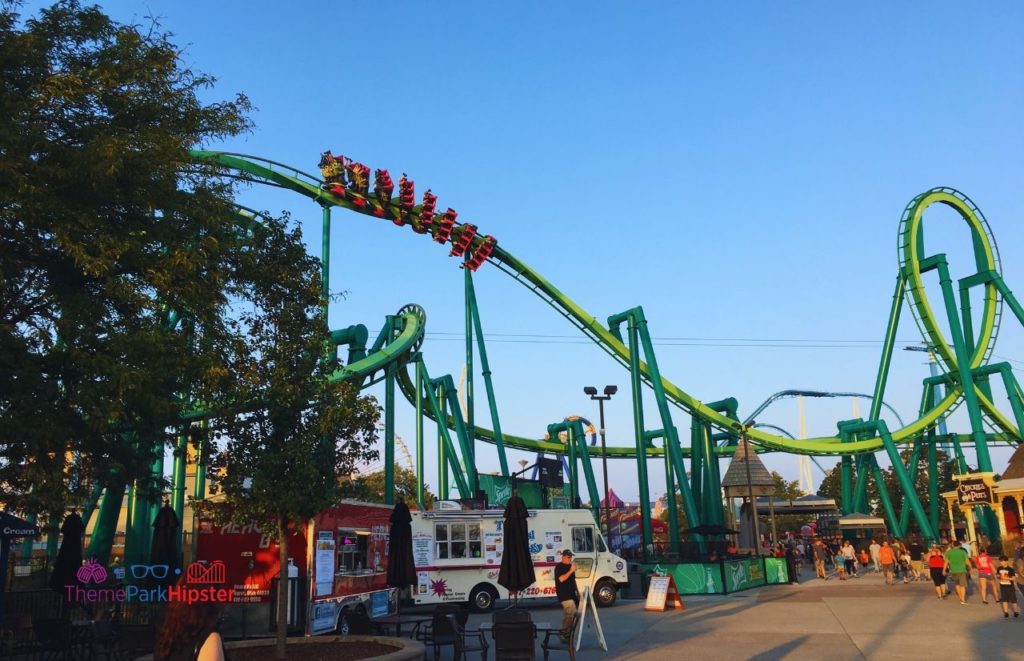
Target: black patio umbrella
{"x":710,"y":529}
{"x":516,"y":572}
{"x":401,"y":568}
{"x":164,"y":549}
{"x":69,"y":555}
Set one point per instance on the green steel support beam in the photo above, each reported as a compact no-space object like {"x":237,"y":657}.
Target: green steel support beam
{"x":420,"y":502}
{"x":846,"y":484}
{"x":883,"y":495}
{"x":912,"y":466}
{"x":470,"y":409}
{"x":963,"y":365}
{"x":887,"y":348}
{"x":697,"y":464}
{"x":636,"y":383}
{"x":102,"y":539}
{"x":933,"y":481}
{"x":485,"y":368}
{"x":325,"y":261}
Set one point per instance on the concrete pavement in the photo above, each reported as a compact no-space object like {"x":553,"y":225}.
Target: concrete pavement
{"x":854,"y":619}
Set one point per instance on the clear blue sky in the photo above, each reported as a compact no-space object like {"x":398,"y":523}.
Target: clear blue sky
{"x":738,"y":169}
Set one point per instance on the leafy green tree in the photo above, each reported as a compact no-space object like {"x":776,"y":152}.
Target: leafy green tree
{"x":281,"y":454}
{"x":786,"y":490}
{"x":110,"y":239}
{"x":831,"y":485}
{"x":370,"y":487}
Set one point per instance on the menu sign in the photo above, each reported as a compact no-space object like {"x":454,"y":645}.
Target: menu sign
{"x":973,"y":492}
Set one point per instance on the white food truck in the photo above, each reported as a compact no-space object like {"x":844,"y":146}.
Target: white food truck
{"x":458,"y":554}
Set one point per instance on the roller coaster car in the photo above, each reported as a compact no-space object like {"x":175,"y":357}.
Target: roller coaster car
{"x":462,"y":242}
{"x":332,"y":168}
{"x":481,"y":254}
{"x":444,"y":226}
{"x":359,"y":177}
{"x":406,"y":192}
{"x":426,"y":212}
{"x":383,"y":187}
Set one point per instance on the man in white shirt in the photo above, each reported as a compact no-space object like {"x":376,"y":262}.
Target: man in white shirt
{"x":874,"y":550}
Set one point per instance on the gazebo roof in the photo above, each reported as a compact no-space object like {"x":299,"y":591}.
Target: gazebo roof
{"x":736,"y":475}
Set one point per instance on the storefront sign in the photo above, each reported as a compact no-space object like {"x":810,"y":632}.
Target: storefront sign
{"x":973,"y":491}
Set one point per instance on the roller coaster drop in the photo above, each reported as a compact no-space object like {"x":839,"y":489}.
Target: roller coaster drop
{"x":395,"y":359}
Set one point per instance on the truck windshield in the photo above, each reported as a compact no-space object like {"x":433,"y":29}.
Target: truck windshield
{"x":582,"y":539}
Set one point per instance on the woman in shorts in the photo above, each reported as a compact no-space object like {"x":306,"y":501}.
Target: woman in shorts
{"x":937,"y":569}
{"x":986,"y":575}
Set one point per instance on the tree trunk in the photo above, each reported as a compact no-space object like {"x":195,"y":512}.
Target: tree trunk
{"x":282,"y":587}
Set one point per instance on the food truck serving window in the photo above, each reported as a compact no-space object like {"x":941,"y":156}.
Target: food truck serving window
{"x":457,"y":540}
{"x":353,"y":549}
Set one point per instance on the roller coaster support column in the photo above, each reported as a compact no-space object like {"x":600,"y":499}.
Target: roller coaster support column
{"x":711,"y":508}
{"x":419,"y":436}
{"x":906,"y":483}
{"x":933,"y":480}
{"x":389,"y":434}
{"x":485,"y":369}
{"x":101,"y":541}
{"x":441,"y":392}
{"x":636,"y":381}
{"x":963,"y":364}
{"x":470,"y":414}
{"x":912,"y":466}
{"x":178,"y":483}
{"x":637,"y":325}
{"x":697,"y":461}
{"x":576,"y":450}
{"x":846,"y":484}
{"x":325,"y":260}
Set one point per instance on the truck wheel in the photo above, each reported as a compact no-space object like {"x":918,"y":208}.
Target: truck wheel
{"x":342,"y":627}
{"x":482,"y":598}
{"x":605,"y":593}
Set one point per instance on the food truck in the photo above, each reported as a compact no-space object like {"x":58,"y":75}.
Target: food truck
{"x":339,"y":561}
{"x":458,"y":554}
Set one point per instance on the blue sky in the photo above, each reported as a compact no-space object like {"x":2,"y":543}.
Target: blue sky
{"x":738,"y":169}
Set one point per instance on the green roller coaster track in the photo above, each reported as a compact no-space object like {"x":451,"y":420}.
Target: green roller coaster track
{"x":395,"y":358}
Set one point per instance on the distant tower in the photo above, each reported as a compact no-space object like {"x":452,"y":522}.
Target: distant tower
{"x":806,"y":480}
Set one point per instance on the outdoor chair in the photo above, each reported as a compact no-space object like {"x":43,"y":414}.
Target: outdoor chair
{"x":467,"y":641}
{"x":554,"y":642}
{"x":514,"y":641}
{"x":439,"y":633}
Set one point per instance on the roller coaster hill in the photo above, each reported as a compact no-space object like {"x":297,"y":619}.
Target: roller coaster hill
{"x":961,"y":337}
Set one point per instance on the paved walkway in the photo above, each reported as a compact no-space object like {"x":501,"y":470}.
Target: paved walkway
{"x":854,"y":619}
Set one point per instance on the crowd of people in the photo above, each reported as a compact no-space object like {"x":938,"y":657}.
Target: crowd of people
{"x":947,"y":565}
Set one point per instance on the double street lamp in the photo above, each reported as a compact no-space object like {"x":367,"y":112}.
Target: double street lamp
{"x":601,"y":399}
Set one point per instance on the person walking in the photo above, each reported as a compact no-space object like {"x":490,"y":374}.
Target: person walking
{"x":887,"y":557}
{"x":565,"y":591}
{"x":874,"y":548}
{"x":849,"y":559}
{"x":986,"y":575}
{"x":1005,"y":575}
{"x":916,"y":549}
{"x":937,"y":569}
{"x":957,"y":564}
{"x":820,"y":557}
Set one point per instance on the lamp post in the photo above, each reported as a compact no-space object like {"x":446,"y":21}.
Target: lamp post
{"x":743,"y":428}
{"x":601,"y":399}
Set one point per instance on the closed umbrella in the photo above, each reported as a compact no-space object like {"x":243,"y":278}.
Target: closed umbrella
{"x":401,"y":568}
{"x":516,"y":573}
{"x":69,"y":555}
{"x":164,"y":549}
